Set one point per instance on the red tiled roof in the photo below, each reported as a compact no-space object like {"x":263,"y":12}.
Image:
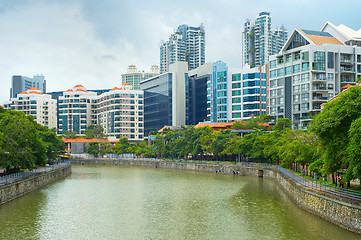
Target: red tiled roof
{"x":83,"y":140}
{"x":214,"y":125}
{"x":76,"y":86}
{"x":33,"y":88}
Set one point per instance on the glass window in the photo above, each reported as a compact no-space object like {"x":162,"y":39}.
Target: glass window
{"x":273,"y":74}
{"x":280,"y":72}
{"x":280,"y":92}
{"x":305,"y":96}
{"x":319,"y":61}
{"x":305,"y":56}
{"x":305,"y":66}
{"x":280,"y":60}
{"x":279,"y":82}
{"x":305,"y":77}
{"x":296,"y":79}
{"x":297,"y":56}
{"x":305,"y":87}
{"x":330,"y":76}
{"x":236,"y":100}
{"x":288,"y":57}
{"x":305,"y":106}
{"x":273,"y":83}
{"x":272,"y":64}
{"x":296,"y":107}
{"x":296,"y":98}
{"x":236,"y":107}
{"x":296,"y":89}
{"x":273,"y":92}
{"x":236,"y":85}
{"x":296,"y":68}
{"x":288,"y":70}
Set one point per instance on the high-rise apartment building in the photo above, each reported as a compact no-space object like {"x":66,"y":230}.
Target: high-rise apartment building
{"x":259,"y":41}
{"x":186,"y":44}
{"x":119,"y":111}
{"x":32,"y":102}
{"x":311,"y":68}
{"x":133,"y":77}
{"x":22,"y":83}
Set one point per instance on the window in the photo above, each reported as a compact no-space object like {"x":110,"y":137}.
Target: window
{"x":305,"y":106}
{"x":330,"y":86}
{"x":273,"y":101}
{"x":305,"y":87}
{"x":297,"y":56}
{"x":280,"y":72}
{"x":296,"y":89}
{"x":288,"y":70}
{"x":296,"y":79}
{"x":319,"y":61}
{"x":272,"y":64}
{"x":279,"y":82}
{"x":273,"y":92}
{"x":296,"y":98}
{"x":296,"y":68}
{"x":236,"y":77}
{"x":288,"y":57}
{"x":305,"y":77}
{"x":305,"y":56}
{"x":236,"y":85}
{"x":236,"y":93}
{"x":296,"y":107}
{"x":236,"y":100}
{"x":273,"y":83}
{"x":280,"y":92}
{"x":273,"y":74}
{"x":237,"y":107}
{"x":305,"y":66}
{"x":280,"y":60}
{"x":236,"y":115}
{"x":305,"y":97}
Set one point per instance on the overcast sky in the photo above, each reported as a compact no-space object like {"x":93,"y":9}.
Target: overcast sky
{"x":92,"y":42}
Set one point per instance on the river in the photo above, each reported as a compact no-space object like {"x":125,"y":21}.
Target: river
{"x":107,"y":202}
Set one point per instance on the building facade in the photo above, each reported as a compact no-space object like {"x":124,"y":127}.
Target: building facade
{"x":32,"y":102}
{"x":75,"y":110}
{"x":249,"y":93}
{"x":165,"y":98}
{"x":133,"y":77}
{"x":186,"y":44}
{"x":311,"y":68}
{"x":218,"y":89}
{"x":121,"y":113}
{"x":259,"y":41}
{"x":22,"y":83}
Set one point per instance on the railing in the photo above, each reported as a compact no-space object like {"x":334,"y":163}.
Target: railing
{"x":18,"y":176}
{"x":337,"y":191}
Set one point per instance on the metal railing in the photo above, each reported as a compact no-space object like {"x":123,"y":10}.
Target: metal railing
{"x":18,"y":176}
{"x":323,"y":187}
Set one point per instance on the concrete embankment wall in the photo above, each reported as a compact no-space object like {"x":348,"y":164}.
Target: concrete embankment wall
{"x":17,"y":188}
{"x":345,"y":213}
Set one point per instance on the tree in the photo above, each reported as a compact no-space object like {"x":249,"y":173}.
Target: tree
{"x":93,"y":149}
{"x":70,"y":135}
{"x":95,"y":131}
{"x":121,"y":147}
{"x":334,"y":128}
{"x":282,"y":123}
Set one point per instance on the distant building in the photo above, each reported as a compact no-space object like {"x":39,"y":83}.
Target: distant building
{"x":259,"y":41}
{"x":311,"y":68}
{"x":186,"y":44}
{"x":22,"y":83}
{"x":164,"y":98}
{"x":133,"y":77}
{"x":32,"y":102}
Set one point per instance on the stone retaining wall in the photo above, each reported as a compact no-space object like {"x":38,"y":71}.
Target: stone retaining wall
{"x":20,"y":187}
{"x":342,"y":212}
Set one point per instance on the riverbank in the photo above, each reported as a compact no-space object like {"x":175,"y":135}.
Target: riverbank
{"x":19,"y":187}
{"x":343,"y":212}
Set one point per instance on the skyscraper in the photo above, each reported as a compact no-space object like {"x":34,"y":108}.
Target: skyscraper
{"x":259,"y":41}
{"x":22,"y":83}
{"x":187,"y":43}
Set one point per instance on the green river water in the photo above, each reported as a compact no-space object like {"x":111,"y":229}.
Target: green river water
{"x":107,"y":202}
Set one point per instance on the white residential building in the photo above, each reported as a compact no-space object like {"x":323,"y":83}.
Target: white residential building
{"x":133,"y":77}
{"x":186,"y":44}
{"x":32,"y":102}
{"x":259,"y":41}
{"x":311,"y":68}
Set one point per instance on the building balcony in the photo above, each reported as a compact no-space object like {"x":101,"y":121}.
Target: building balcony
{"x":347,"y":69}
{"x":319,"y":99}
